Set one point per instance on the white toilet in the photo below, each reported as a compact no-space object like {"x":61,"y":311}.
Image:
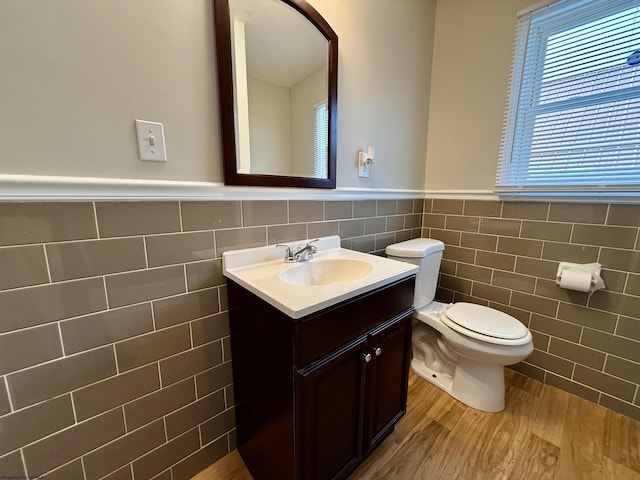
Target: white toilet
{"x":462,"y":348}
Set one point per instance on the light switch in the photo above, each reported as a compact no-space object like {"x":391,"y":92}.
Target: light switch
{"x":363,"y":165}
{"x":151,"y":141}
{"x":365,"y":160}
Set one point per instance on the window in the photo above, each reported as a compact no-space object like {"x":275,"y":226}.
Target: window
{"x":573,"y":116}
{"x":321,"y":141}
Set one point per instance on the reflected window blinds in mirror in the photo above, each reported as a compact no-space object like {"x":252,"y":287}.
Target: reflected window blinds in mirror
{"x":277,"y":63}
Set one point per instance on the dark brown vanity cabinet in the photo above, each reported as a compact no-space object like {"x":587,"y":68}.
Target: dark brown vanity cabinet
{"x":351,"y":400}
{"x":315,"y":395}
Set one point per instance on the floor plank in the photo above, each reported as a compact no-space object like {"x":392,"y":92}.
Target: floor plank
{"x":451,"y":456}
{"x":615,"y":471}
{"x":230,"y":467}
{"x":408,"y":461}
{"x":552,"y":414}
{"x":502,"y":442}
{"x":543,"y":433}
{"x":539,"y":460}
{"x":622,"y":440}
{"x":581,"y":448}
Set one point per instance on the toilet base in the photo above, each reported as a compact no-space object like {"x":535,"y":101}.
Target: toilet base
{"x":475,"y":384}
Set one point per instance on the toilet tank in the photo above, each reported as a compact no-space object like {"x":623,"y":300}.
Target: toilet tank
{"x":426,"y":253}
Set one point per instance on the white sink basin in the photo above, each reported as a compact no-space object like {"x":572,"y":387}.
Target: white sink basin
{"x":333,"y":275}
{"x":326,"y":272}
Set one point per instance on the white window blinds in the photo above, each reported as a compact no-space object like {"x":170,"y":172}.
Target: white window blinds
{"x":573,"y":115}
{"x":321,"y":141}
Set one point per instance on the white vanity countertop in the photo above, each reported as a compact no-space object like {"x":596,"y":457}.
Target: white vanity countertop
{"x":259,"y":269}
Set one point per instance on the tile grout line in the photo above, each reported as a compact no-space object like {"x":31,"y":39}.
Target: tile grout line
{"x":46,"y":261}
{"x":186,"y":283}
{"x":64,"y":353}
{"x":6,"y":387}
{"x":222,"y":349}
{"x":73,"y":409}
{"x":160,"y":380}
{"x":153,"y":315}
{"x":124,"y":420}
{"x":24,"y":461}
{"x":95,"y":218}
{"x":288,"y":206}
{"x":115,"y":357}
{"x":180,"y":216}
{"x":84,"y":469}
{"x":106,"y":293}
{"x":548,"y":211}
{"x":146,"y":255}
{"x":226,"y":401}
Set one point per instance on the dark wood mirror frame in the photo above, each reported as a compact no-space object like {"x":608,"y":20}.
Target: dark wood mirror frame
{"x":222,"y":22}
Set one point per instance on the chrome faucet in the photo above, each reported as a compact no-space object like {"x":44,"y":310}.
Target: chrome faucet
{"x":302,"y":254}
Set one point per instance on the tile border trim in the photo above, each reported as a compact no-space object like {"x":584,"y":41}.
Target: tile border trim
{"x":46,"y":188}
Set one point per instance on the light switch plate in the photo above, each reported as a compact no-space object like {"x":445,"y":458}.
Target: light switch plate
{"x":363,"y":165}
{"x":151,"y":141}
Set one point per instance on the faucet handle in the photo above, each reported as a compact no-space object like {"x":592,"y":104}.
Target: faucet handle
{"x":287,"y":253}
{"x":311,"y":249}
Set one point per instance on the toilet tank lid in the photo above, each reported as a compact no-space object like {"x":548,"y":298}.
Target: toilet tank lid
{"x":417,"y":247}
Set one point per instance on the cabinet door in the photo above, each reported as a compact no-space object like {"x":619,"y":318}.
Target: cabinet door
{"x":330,"y":413}
{"x":387,"y":379}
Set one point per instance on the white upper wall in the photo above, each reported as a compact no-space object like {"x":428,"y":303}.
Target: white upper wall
{"x":76,"y":74}
{"x":471,"y":66}
{"x":270,"y":111}
{"x":385,"y":49}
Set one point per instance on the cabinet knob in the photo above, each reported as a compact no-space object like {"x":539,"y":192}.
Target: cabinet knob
{"x":367,"y":357}
{"x":377,"y":351}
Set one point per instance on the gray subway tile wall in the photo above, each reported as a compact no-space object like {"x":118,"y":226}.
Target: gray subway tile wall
{"x":5,"y":406}
{"x":587,"y":345}
{"x":123,"y":473}
{"x":50,"y":379}
{"x":31,"y":306}
{"x":115,"y":359}
{"x":115,"y":391}
{"x":91,"y":331}
{"x":16,"y":350}
{"x":71,"y":260}
{"x":120,"y":219}
{"x":28,"y":263}
{"x":36,"y":222}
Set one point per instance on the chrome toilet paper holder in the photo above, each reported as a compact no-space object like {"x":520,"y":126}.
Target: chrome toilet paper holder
{"x":594,"y":268}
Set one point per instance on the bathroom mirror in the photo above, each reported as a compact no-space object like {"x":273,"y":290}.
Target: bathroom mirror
{"x":277,"y":79}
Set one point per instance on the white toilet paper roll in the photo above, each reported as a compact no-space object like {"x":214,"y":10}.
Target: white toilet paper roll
{"x":576,"y":279}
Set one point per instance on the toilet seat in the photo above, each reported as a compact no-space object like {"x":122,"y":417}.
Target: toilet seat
{"x":485,"y":324}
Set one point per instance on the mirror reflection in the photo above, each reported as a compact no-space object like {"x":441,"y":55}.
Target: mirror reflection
{"x":280,"y":78}
{"x":278,"y":83}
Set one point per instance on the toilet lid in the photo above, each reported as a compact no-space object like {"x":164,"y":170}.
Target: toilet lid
{"x":484,"y":321}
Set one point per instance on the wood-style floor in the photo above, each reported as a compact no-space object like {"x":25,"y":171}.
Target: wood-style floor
{"x":543,"y":433}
